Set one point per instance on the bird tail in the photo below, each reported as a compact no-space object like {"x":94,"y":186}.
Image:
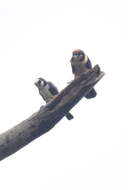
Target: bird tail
{"x":69,"y":116}
{"x":91,"y":94}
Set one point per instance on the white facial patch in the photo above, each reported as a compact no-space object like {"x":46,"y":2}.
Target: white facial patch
{"x":86,"y":59}
{"x":42,"y":83}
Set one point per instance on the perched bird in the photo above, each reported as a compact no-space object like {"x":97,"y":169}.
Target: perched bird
{"x":81,"y":63}
{"x":48,"y":90}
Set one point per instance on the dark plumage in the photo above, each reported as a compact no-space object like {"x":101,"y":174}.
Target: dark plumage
{"x":81,"y":63}
{"x":53,"y":88}
{"x":48,"y":90}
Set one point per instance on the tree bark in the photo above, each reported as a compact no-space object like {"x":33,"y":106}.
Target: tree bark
{"x":48,"y":115}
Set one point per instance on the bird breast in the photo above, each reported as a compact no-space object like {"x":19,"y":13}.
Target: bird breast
{"x":79,"y":67}
{"x":46,"y":94}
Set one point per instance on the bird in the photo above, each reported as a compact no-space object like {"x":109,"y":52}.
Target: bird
{"x":48,"y":90}
{"x":80,"y":63}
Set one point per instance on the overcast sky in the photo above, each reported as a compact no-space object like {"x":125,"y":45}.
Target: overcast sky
{"x":37,"y":38}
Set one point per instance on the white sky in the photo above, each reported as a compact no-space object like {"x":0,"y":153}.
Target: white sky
{"x":36,"y":39}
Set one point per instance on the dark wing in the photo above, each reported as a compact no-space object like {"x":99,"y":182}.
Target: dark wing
{"x":88,"y":64}
{"x":53,"y":88}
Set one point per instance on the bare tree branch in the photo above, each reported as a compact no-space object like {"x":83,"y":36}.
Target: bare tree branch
{"x":46,"y":118}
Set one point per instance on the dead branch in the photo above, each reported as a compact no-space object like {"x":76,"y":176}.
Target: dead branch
{"x":47,"y":117}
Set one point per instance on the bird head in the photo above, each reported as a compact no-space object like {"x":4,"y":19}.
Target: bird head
{"x":40,"y":82}
{"x":78,"y":55}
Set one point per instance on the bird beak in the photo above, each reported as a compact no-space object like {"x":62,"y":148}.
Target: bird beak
{"x":36,"y":82}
